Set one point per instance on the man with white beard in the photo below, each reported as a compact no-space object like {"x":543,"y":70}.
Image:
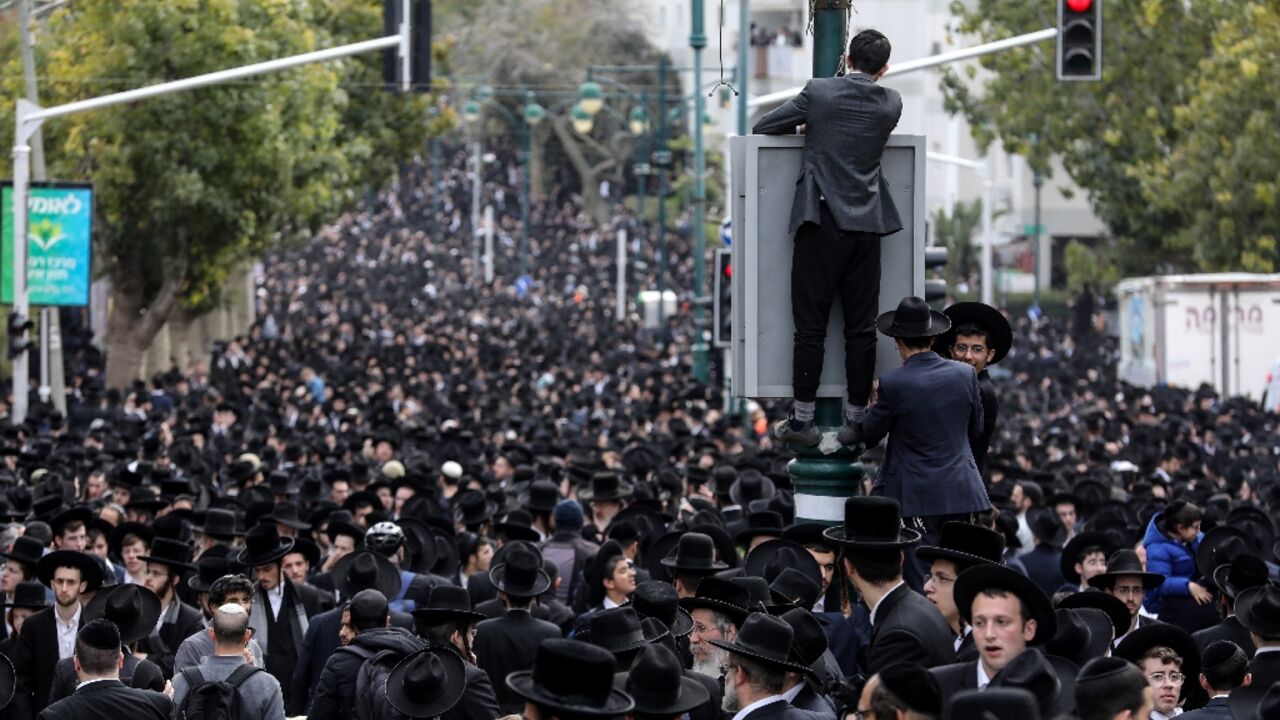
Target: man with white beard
{"x":756,"y":666}
{"x":718,"y":608}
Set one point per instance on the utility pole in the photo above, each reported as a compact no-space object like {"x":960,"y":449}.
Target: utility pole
{"x":1037,"y":181}
{"x":698,"y":41}
{"x":475,"y":208}
{"x":662,"y":159}
{"x":744,"y":75}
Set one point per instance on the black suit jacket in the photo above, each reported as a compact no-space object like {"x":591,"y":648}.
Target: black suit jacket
{"x":1043,"y":567}
{"x":1215,"y":709}
{"x":779,"y":710}
{"x":1228,"y":629}
{"x":908,"y":629}
{"x":478,"y":701}
{"x":849,"y":121}
{"x":319,"y":642}
{"x":35,"y":658}
{"x":507,"y":644}
{"x":956,"y":677}
{"x":929,"y":408}
{"x":495,"y":609}
{"x":815,"y":702}
{"x":65,"y":679}
{"x":162,"y":648}
{"x":110,"y":700}
{"x":990,"y":412}
{"x":1265,"y":668}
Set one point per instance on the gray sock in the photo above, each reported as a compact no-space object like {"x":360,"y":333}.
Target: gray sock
{"x":803,"y":411}
{"x":853,"y":413}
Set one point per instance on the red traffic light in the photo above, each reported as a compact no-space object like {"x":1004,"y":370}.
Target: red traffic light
{"x":1079,"y":5}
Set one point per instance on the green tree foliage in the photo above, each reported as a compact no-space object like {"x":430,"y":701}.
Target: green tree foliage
{"x":955,"y":231}
{"x":190,"y":185}
{"x":1087,"y":267}
{"x":1146,"y":141}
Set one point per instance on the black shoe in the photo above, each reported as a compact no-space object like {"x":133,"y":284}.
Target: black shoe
{"x":794,"y":432}
{"x":849,"y":435}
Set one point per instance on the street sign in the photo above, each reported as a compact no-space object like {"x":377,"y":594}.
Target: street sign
{"x":1032,"y":229}
{"x":60,"y":224}
{"x":642,"y":169}
{"x":662,"y":158}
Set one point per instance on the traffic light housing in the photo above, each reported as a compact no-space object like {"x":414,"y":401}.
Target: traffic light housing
{"x":1079,"y":39}
{"x":722,"y":328}
{"x":419,"y":42}
{"x":935,"y":258}
{"x":18,"y":327}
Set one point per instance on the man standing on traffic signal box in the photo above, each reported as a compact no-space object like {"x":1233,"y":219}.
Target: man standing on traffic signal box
{"x":841,"y":210}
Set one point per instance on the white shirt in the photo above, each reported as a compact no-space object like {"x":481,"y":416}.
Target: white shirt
{"x":67,"y":633}
{"x":983,"y":680}
{"x":164,"y":612}
{"x":882,"y":597}
{"x":790,"y":695}
{"x":1157,"y":715}
{"x":88,"y":682}
{"x":609,"y":604}
{"x":757,"y":704}
{"x":960,"y":638}
{"x":275,"y":596}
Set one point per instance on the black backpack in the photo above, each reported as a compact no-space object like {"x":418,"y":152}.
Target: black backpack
{"x":216,"y":700}
{"x":371,"y":687}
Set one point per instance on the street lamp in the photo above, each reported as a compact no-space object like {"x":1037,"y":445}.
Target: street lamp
{"x":534,"y":113}
{"x":582,"y":120}
{"x":638,"y":121}
{"x":470,"y":111}
{"x":591,"y":97}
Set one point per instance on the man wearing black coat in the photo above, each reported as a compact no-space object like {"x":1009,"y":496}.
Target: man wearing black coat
{"x":165,"y":567}
{"x":367,"y":614}
{"x":759,"y":657}
{"x":101,"y":695}
{"x":1259,"y":612}
{"x":1233,"y":578}
{"x":447,"y":620}
{"x":980,"y":336}
{"x":905,"y":627}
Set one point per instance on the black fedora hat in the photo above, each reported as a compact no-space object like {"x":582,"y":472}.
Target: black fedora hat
{"x":421,"y":549}
{"x":572,"y":678}
{"x":78,"y":513}
{"x":1220,"y":546}
{"x":1052,"y":684}
{"x":808,"y":640}
{"x":263,"y":546}
{"x":763,"y":638}
{"x":913,"y":319}
{"x":1073,"y":639}
{"x":1136,"y":643}
{"x":694,"y":552}
{"x":1246,"y":571}
{"x":1258,"y":610}
{"x":1255,"y":702}
{"x":984,"y":317}
{"x":176,"y":555}
{"x":606,"y":486}
{"x":26,"y":551}
{"x":1035,"y":603}
{"x":766,"y":523}
{"x":871,"y":523}
{"x":616,"y":630}
{"x":447,"y":603}
{"x":309,"y":550}
{"x":771,"y":557}
{"x":146,"y":499}
{"x":27,"y":595}
{"x":1076,"y":546}
{"x":1125,"y":563}
{"x":286,"y":513}
{"x":1046,"y":526}
{"x":520,"y":574}
{"x":723,"y":596}
{"x":790,"y":589}
{"x":541,"y":496}
{"x":657,"y":684}
{"x":473,"y":508}
{"x":8,"y":681}
{"x":998,"y":703}
{"x":133,"y":608}
{"x":1255,"y":523}
{"x":751,"y":485}
{"x":427,"y":683}
{"x":280,"y":483}
{"x":365,"y":570}
{"x":1110,"y":605}
{"x":90,"y":569}
{"x":965,"y":545}
{"x":658,"y":600}
{"x":209,"y":569}
{"x":518,"y":525}
{"x":1102,"y":631}
{"x":115,"y":541}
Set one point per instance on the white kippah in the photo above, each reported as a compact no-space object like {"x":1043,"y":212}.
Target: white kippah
{"x":232,"y":609}
{"x":451,"y":470}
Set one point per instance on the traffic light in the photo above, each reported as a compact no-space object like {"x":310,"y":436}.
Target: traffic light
{"x":1079,"y":39}
{"x":18,"y":327}
{"x":723,"y":308}
{"x":935,"y":258}
{"x":419,"y":42}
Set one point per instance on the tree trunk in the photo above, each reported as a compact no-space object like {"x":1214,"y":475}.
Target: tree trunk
{"x":132,"y":326}
{"x":587,"y":175}
{"x":180,"y":338}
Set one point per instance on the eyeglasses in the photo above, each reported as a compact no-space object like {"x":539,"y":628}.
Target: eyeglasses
{"x":863,"y":714}
{"x":961,"y":349}
{"x":940,"y":579}
{"x":1158,"y":678}
{"x":726,"y":669}
{"x":704,"y":630}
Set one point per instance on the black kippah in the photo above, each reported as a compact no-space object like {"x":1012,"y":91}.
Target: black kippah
{"x":100,"y":634}
{"x":915,"y":687}
{"x":1102,"y":667}
{"x":1218,"y":653}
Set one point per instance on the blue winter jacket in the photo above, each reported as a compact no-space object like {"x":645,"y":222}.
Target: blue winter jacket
{"x":1175,"y":560}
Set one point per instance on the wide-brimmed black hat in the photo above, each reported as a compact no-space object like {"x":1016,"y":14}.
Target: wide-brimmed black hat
{"x":209,"y":569}
{"x":986,"y":318}
{"x":1052,"y":683}
{"x":872,"y":523}
{"x":807,"y":534}
{"x":723,"y":596}
{"x":998,"y":703}
{"x":447,"y":603}
{"x":808,"y":640}
{"x":915,"y":686}
{"x":133,"y":608}
{"x":763,"y":638}
{"x":518,"y":525}
{"x":913,"y":319}
{"x":343,"y":525}
{"x":658,"y":600}
{"x":28,"y":595}
{"x":115,"y":541}
{"x":1035,"y":604}
{"x":473,"y":508}
{"x":365,"y":570}
{"x":541,"y":496}
{"x":520,"y":574}
{"x":1220,"y":546}
{"x":309,"y":550}
{"x":1073,"y":638}
{"x":1246,"y":571}
{"x":790,"y":589}
{"x":1110,"y":605}
{"x":164,"y":551}
{"x":1255,"y":702}
{"x":280,"y":483}
{"x":1102,"y":631}
{"x":90,"y":570}
{"x":1125,"y":563}
{"x":751,"y":485}
{"x":1258,"y":610}
{"x":765,"y":523}
{"x":657,"y":684}
{"x":78,"y":513}
{"x":606,"y":486}
{"x":965,"y":545}
{"x":694,"y":552}
{"x":8,"y":681}
{"x":1137,"y":642}
{"x":427,"y":683}
{"x":616,"y":629}
{"x":1046,"y":526}
{"x":26,"y":551}
{"x":1255,"y":523}
{"x":771,"y":557}
{"x":263,"y":546}
{"x":146,"y":499}
{"x":1076,"y":546}
{"x":572,"y":678}
{"x":286,"y":513}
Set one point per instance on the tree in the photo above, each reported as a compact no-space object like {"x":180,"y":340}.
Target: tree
{"x":954,"y":231}
{"x":190,"y":185}
{"x":1109,"y":133}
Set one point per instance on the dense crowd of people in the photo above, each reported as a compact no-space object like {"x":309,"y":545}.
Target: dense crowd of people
{"x":407,"y":494}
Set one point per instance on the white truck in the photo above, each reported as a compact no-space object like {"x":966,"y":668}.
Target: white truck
{"x":1184,"y":330}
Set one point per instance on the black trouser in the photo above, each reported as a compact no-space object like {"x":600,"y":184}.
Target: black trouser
{"x":828,"y":262}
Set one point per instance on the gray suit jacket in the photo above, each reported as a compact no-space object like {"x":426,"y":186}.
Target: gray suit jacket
{"x":849,"y":121}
